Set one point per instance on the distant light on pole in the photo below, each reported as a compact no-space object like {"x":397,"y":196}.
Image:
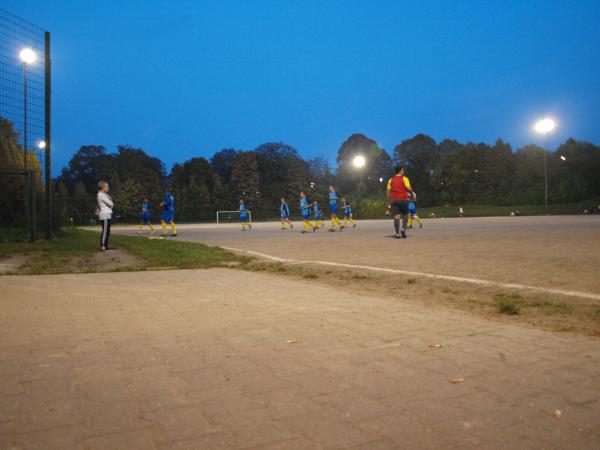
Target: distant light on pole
{"x":381,"y":179}
{"x":42,"y":145}
{"x":359,"y":161}
{"x":27,"y":56}
{"x":545,"y":126}
{"x":563,"y":157}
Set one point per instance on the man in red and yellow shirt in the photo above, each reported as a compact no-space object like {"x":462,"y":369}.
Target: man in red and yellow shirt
{"x":399,"y":190}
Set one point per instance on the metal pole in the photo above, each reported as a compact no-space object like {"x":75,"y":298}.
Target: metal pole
{"x":545,"y":172}
{"x":47,"y":137}
{"x":25,"y":115}
{"x":29,"y":180}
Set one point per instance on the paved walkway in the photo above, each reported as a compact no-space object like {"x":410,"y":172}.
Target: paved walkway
{"x":228,"y":359}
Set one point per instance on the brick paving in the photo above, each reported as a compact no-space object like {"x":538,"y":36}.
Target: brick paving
{"x":221,"y":359}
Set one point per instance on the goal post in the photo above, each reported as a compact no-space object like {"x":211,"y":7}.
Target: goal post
{"x":229,"y":214}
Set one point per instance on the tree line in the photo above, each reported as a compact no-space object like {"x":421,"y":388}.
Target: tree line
{"x":444,"y":173}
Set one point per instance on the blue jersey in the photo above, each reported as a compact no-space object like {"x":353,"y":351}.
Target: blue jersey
{"x":169,"y":202}
{"x":243,"y":212}
{"x":333,"y":201}
{"x":347,"y":208}
{"x":317,"y":211}
{"x":304,"y":207}
{"x":285,"y":210}
{"x":145,"y":208}
{"x":412,"y":207}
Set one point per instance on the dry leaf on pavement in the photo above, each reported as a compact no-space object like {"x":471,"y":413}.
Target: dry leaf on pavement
{"x":457,"y":380}
{"x":293,"y":341}
{"x":435,"y":345}
{"x":557,"y":413}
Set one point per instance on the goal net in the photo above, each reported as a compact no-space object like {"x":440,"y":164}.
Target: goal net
{"x":231,"y":216}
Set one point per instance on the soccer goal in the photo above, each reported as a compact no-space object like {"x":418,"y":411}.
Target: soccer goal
{"x":230,"y":216}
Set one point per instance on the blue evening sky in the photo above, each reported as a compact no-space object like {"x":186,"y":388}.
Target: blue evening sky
{"x":188,"y":78}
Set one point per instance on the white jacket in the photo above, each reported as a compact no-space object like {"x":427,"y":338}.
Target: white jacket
{"x":105,"y":205}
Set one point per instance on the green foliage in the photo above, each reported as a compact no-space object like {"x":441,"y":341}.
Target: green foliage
{"x":61,"y":254}
{"x":448,"y":173}
{"x":509,"y":304}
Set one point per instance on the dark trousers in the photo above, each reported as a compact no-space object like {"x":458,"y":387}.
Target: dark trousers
{"x":105,"y":234}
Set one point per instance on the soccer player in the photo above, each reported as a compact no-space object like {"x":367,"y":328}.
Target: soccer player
{"x":333,"y":206}
{"x":318,"y":214}
{"x":305,"y":206}
{"x":244,"y":216}
{"x":347,"y":213}
{"x":284,"y":209}
{"x":412,"y":213}
{"x":168,"y":214}
{"x":398,"y":190}
{"x":145,"y":217}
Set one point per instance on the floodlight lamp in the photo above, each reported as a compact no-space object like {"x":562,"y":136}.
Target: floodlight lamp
{"x":42,"y":145}
{"x":27,"y":56}
{"x":359,"y":161}
{"x":544,"y":126}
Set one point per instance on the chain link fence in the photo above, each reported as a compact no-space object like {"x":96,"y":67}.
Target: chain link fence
{"x":25,"y":186}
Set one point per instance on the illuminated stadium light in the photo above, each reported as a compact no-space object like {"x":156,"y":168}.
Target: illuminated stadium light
{"x":544,"y":126}
{"x":42,"y":145}
{"x":564,"y":158}
{"x":27,"y":56}
{"x":381,"y":179}
{"x":359,"y":161}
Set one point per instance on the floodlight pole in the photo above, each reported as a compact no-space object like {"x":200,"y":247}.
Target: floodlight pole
{"x":30,"y":181}
{"x":47,"y":137}
{"x":545,"y":171}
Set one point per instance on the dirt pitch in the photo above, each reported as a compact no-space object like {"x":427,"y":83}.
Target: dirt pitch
{"x":554,"y":252}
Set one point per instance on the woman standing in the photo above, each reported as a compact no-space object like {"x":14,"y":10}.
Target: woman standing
{"x":105,"y":205}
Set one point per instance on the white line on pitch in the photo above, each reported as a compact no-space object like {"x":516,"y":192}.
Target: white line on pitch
{"x":477,"y":281}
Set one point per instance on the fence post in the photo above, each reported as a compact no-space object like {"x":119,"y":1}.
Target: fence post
{"x":47,"y":138}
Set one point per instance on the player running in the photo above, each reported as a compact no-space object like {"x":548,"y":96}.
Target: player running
{"x":305,"y":206}
{"x":318,"y":214}
{"x":284,"y":210}
{"x":244,"y":216}
{"x":333,"y":206}
{"x":412,"y":214}
{"x":168,"y":214}
{"x":398,"y":190}
{"x":145,"y":217}
{"x":347,"y":213}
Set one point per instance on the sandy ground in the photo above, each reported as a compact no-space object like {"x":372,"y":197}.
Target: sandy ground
{"x":230,"y":359}
{"x":561,"y":252}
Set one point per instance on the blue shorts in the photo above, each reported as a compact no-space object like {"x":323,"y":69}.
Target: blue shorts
{"x":347,"y":214}
{"x":285,"y":216}
{"x":145,"y":218}
{"x":243,"y":218}
{"x":412,"y":211}
{"x":305,"y":216}
{"x":167,"y":216}
{"x":334,"y":209}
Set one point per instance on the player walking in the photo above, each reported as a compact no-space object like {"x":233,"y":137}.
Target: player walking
{"x":305,"y":206}
{"x":412,"y":214}
{"x":284,"y":210}
{"x":145,"y":217}
{"x":398,"y":190}
{"x":318,"y":214}
{"x":168,"y":214}
{"x":333,"y":206}
{"x":244,"y":216}
{"x":347,"y":213}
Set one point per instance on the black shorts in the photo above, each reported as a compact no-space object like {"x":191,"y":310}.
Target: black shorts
{"x":399,"y":207}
